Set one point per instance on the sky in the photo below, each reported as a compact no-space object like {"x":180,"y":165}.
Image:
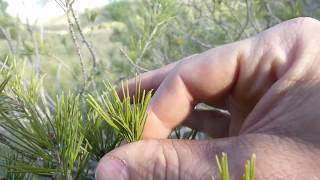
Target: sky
{"x":32,"y":10}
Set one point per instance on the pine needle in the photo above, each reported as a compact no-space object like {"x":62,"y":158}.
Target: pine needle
{"x":223,"y":168}
{"x":249,"y":169}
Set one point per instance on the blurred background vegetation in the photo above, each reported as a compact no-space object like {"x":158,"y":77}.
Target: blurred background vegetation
{"x":130,"y":36}
{"x":77,"y":52}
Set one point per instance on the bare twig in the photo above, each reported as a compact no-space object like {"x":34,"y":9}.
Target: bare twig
{"x":74,"y":22}
{"x":74,"y":75}
{"x":4,"y":64}
{"x":196,"y":40}
{"x":61,"y":4}
{"x":252,"y":20}
{"x":90,"y":49}
{"x":221,"y":25}
{"x":243,"y":28}
{"x":149,"y":40}
{"x":76,"y":44}
{"x":137,"y":67}
{"x":147,"y":43}
{"x":84,"y":40}
{"x":270,"y":12}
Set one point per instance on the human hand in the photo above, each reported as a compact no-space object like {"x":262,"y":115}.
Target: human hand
{"x":270,"y":86}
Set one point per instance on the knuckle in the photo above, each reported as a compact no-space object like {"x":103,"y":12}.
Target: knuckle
{"x":304,"y":27}
{"x":181,"y":66}
{"x":305,"y":21}
{"x":292,"y":33}
{"x":165,"y":161}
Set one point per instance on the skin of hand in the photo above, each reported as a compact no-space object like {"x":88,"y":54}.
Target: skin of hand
{"x":270,"y":84}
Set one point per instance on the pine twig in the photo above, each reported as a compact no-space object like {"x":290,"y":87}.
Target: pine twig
{"x":84,"y":39}
{"x":149,"y":40}
{"x":61,"y":4}
{"x":137,"y":67}
{"x":251,"y":18}
{"x":77,"y":47}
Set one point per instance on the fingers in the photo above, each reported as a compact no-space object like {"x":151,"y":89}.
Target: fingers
{"x":162,"y":159}
{"x":152,"y":79}
{"x":212,"y":122}
{"x":206,"y":77}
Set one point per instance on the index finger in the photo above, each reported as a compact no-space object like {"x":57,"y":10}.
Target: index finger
{"x":151,"y":80}
{"x":207,"y":76}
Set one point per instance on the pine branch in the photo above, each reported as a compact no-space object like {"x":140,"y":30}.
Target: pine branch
{"x":49,"y":145}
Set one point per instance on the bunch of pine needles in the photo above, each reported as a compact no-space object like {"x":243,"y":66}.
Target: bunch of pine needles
{"x":127,"y":115}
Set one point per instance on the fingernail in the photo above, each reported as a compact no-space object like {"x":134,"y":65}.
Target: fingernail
{"x":113,"y":169}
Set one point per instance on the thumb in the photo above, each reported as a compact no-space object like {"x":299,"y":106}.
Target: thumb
{"x":165,"y":159}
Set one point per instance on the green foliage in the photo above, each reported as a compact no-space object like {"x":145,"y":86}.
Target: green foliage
{"x":289,"y":9}
{"x":101,"y":137}
{"x":151,"y":33}
{"x":91,"y":15}
{"x":69,"y":136}
{"x":41,"y":143}
{"x":126,"y":118}
{"x":11,"y":166}
{"x":60,"y":142}
{"x":4,"y":83}
{"x":26,"y":131}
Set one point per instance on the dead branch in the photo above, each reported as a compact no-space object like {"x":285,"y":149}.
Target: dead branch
{"x":77,"y":47}
{"x":137,"y":67}
{"x":84,"y":39}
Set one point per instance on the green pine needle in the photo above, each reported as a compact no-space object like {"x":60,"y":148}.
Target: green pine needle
{"x":101,"y":137}
{"x":4,"y":83}
{"x":223,"y":168}
{"x":39,"y":143}
{"x":126,"y":116}
{"x":249,"y":169}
